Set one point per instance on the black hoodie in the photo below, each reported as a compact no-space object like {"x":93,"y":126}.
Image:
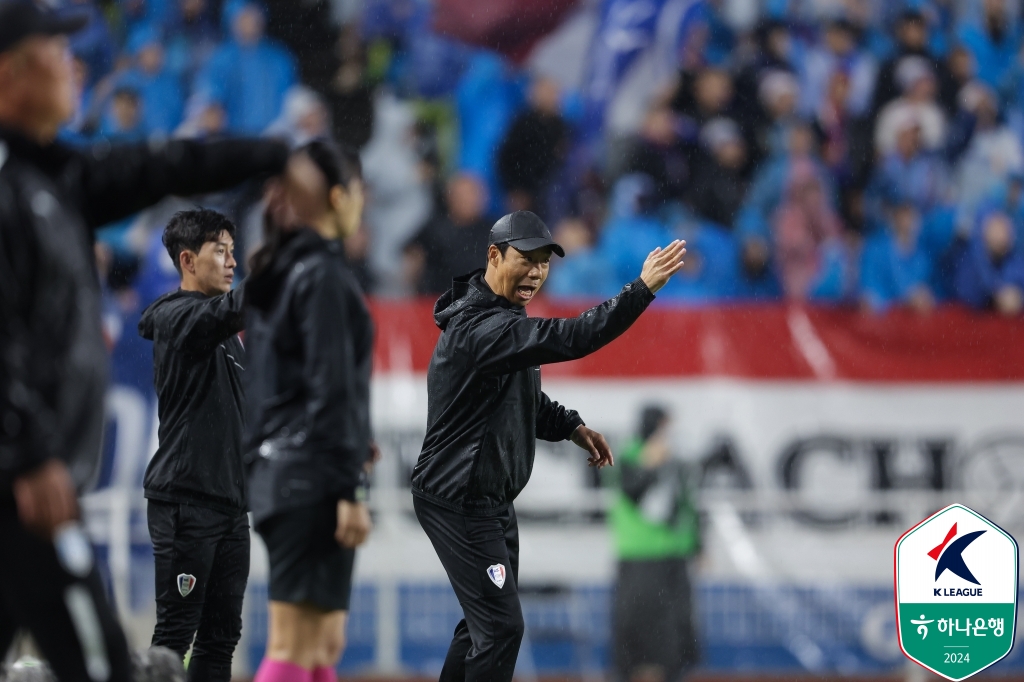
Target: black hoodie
{"x":309,"y":339}
{"x":485,"y":407}
{"x":198,"y":363}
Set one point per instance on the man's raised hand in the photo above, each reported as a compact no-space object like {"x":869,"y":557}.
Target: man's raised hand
{"x":661,"y":264}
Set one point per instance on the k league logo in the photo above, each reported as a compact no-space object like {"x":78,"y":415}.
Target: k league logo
{"x":956,"y":592}
{"x":952,"y":559}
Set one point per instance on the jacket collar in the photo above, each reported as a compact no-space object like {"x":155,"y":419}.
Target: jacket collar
{"x":470,"y":291}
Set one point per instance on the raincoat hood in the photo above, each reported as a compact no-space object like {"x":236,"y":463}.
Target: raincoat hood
{"x":469,"y":291}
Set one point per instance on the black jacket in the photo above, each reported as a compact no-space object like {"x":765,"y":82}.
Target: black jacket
{"x":485,"y":407}
{"x":309,"y":341}
{"x":198,"y":362}
{"x":53,"y":361}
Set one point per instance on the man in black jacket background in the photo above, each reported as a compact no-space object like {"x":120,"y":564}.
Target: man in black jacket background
{"x":485,"y":411}
{"x":195,"y":482}
{"x":53,"y":361}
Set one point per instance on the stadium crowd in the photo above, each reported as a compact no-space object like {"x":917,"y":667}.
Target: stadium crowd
{"x":857,"y":153}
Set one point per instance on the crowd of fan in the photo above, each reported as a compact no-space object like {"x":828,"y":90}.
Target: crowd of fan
{"x":877,"y":165}
{"x":178,"y":67}
{"x":863,"y":158}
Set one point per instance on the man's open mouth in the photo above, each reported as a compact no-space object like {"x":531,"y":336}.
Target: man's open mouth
{"x":526,"y":292}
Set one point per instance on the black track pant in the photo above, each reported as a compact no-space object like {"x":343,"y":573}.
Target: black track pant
{"x":481,"y":557}
{"x":202,"y":566}
{"x":66,"y":612}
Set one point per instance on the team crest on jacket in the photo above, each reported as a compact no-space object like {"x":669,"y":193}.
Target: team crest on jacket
{"x":185,"y":583}
{"x":497,"y":575}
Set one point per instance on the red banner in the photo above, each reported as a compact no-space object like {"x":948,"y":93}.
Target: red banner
{"x":770,"y":342}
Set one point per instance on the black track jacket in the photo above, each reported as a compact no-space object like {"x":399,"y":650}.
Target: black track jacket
{"x":198,"y":363}
{"x":485,"y":407}
{"x":309,"y":341}
{"x":53,"y":360}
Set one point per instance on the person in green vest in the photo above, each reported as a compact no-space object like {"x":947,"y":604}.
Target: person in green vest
{"x":656,"y":533}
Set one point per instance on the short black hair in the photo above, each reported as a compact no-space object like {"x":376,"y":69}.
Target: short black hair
{"x":502,"y":248}
{"x":189,"y":230}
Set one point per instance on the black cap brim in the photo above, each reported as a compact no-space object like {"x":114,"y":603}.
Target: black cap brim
{"x":536,"y":243}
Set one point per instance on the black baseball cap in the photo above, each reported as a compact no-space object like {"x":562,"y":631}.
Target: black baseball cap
{"x":524,"y":231}
{"x":20,"y":19}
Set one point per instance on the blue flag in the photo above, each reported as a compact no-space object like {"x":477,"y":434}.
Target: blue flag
{"x":627,"y":29}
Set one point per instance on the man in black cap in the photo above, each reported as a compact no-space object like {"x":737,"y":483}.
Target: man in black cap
{"x":485,"y":412}
{"x":53,"y":360}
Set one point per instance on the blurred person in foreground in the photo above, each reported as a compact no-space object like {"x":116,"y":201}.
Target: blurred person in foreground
{"x":195,"y":482}
{"x":53,"y":361}
{"x":309,"y":344}
{"x":485,"y":411}
{"x":656,"y":532}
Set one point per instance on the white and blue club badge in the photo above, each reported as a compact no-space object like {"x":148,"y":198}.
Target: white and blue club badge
{"x":497,"y":575}
{"x":185,"y":583}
